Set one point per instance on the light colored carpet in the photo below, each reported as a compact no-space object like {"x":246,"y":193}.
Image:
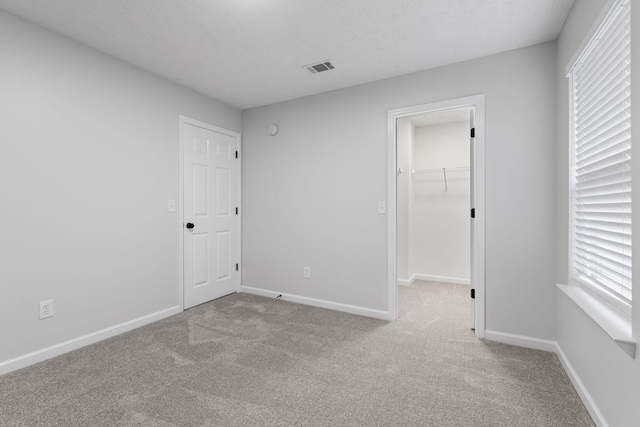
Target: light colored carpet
{"x":245,"y":360}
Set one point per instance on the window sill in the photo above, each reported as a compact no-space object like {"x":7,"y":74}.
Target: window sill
{"x":610,"y":321}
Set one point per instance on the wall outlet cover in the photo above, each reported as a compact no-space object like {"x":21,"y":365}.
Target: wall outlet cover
{"x":45,"y":309}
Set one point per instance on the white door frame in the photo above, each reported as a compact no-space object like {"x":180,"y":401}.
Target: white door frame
{"x":183,"y":120}
{"x":478,"y":275}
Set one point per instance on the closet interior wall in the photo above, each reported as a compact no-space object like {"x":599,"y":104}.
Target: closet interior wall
{"x":433,"y":202}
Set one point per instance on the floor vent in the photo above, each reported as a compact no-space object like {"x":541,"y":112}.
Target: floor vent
{"x":319,"y":67}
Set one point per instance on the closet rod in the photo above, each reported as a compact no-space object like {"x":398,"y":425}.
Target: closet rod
{"x":443,"y":170}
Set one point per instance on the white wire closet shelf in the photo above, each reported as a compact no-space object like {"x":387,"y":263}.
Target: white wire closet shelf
{"x":443,"y":171}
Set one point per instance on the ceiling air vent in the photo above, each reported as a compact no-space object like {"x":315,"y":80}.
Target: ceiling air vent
{"x":319,"y":67}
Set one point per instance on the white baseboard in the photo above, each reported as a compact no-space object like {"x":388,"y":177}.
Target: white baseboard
{"x":73,"y":344}
{"x":521,"y":341}
{"x":402,"y":282}
{"x":443,"y":279}
{"x":584,"y":394}
{"x":554,"y":347}
{"x":353,"y":309}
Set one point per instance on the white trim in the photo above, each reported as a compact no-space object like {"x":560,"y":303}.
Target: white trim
{"x":406,"y":282}
{"x":554,"y":347}
{"x":409,"y":282}
{"x":443,"y":279}
{"x":582,"y":391}
{"x":392,"y":222}
{"x":184,"y":120}
{"x":606,"y":10}
{"x":521,"y":341}
{"x":346,"y":308}
{"x":239,"y":203}
{"x":428,"y":277}
{"x":75,"y":343}
{"x":180,"y":204}
{"x":477,"y":276}
{"x":613,"y":323}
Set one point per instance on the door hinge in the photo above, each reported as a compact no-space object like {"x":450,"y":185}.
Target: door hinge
{"x":236,"y":211}
{"x":236,"y":154}
{"x":473,"y":294}
{"x":473,"y":212}
{"x":473,"y":132}
{"x":237,"y":267}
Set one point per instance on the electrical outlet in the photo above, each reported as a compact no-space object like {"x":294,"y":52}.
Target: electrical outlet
{"x":46,"y":309}
{"x":307,"y":273}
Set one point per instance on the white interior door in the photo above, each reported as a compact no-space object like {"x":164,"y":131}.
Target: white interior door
{"x":473,"y":204}
{"x":211,"y":225}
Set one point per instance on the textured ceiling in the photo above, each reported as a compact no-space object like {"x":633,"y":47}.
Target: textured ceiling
{"x":250,"y":52}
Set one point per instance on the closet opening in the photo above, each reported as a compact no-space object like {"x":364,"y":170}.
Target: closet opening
{"x":433,"y":208}
{"x":437,"y":211}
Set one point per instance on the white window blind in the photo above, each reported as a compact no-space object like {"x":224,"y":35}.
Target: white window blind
{"x":601,"y":217}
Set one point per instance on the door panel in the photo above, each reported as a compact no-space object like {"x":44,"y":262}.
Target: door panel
{"x":223,"y":250}
{"x":223,"y":192}
{"x":200,"y":190}
{"x":200,"y":259}
{"x":210,"y":193}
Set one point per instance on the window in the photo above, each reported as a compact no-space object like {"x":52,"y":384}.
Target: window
{"x":600,"y":209}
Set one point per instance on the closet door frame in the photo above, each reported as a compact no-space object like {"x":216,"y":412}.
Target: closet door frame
{"x":477,"y":275}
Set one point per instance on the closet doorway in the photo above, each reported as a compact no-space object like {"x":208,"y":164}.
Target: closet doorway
{"x":434,"y":197}
{"x":437,"y":204}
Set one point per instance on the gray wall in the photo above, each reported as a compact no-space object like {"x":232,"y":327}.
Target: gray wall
{"x":88,"y":160}
{"x":609,"y":375}
{"x":310,"y":192}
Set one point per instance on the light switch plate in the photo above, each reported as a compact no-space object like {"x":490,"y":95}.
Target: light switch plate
{"x":382,"y":208}
{"x":171,"y":205}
